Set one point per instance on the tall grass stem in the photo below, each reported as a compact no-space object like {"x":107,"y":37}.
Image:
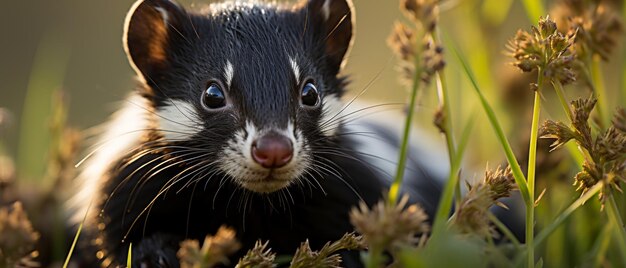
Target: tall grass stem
{"x":520,"y":179}
{"x":445,"y":203}
{"x":600,"y":90}
{"x":558,"y":87}
{"x":532,"y":157}
{"x":444,"y":101}
{"x":395,"y":186}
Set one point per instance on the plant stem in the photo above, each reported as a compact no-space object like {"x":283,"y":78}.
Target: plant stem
{"x":374,"y":258}
{"x":599,"y":90}
{"x":444,"y":101}
{"x":532,"y":156}
{"x":395,"y":186}
{"x":520,"y":180}
{"x":558,"y":87}
{"x":613,"y":213}
{"x":548,"y":230}
{"x":80,"y":228}
{"x":445,"y":203}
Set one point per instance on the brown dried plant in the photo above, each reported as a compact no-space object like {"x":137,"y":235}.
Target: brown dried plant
{"x":215,"y":249}
{"x":471,"y":215}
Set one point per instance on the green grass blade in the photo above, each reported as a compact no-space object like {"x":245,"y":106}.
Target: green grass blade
{"x":445,"y":204}
{"x":415,"y":89}
{"x":129,"y":259}
{"x":546,"y":231}
{"x":510,"y":156}
{"x":80,"y":228}
{"x":532,"y":157}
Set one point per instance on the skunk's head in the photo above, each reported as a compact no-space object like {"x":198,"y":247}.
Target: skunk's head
{"x":253,"y":87}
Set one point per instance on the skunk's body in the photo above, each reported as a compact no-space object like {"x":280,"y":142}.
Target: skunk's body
{"x":238,"y":122}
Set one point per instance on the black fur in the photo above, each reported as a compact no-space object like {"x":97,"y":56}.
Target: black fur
{"x":166,"y":191}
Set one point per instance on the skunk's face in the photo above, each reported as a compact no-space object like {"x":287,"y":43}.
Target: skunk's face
{"x":253,"y":87}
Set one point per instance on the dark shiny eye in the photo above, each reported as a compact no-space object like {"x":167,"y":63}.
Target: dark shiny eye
{"x":213,"y":97}
{"x":309,"y":96}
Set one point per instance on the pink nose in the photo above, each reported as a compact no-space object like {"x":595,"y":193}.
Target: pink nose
{"x":272,"y":150}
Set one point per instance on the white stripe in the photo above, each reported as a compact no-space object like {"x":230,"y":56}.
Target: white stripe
{"x":295,"y":68}
{"x":331,"y":114}
{"x":326,"y":9}
{"x":228,"y":73}
{"x":178,"y":120}
{"x":120,"y":136}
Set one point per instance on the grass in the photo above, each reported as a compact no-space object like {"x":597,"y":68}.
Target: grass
{"x":567,"y":226}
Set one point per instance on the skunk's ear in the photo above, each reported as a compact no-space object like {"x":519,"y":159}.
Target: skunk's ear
{"x":334,"y":20}
{"x":148,"y":32}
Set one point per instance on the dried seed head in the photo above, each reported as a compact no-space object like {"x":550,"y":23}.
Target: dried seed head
{"x":402,"y":42}
{"x":432,"y":59}
{"x":215,"y":249}
{"x":619,"y":120}
{"x":305,"y":257}
{"x":544,"y":49}
{"x":17,"y":236}
{"x":558,"y":131}
{"x":258,"y":257}
{"x":471,"y":215}
{"x":429,"y":55}
{"x":425,"y":12}
{"x":500,"y":183}
{"x":616,"y":174}
{"x":584,"y":180}
{"x":610,"y":145}
{"x":439,"y":118}
{"x":599,"y":27}
{"x":327,"y":256}
{"x":581,"y":109}
{"x":387,"y":226}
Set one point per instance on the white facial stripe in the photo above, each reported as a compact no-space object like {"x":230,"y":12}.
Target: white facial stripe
{"x":331,"y":114}
{"x":228,"y":73}
{"x":252,"y":134}
{"x":326,"y":9}
{"x":295,"y":68}
{"x":178,"y":120}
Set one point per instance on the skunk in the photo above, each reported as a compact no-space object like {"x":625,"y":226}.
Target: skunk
{"x":239,"y":120}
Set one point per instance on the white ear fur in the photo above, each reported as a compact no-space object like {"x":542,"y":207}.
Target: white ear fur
{"x":326,"y":9}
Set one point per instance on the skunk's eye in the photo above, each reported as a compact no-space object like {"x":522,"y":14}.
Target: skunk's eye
{"x":213,"y":97}
{"x":309,"y":96}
